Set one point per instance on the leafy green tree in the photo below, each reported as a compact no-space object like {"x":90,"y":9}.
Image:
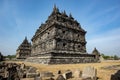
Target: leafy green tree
{"x":107,"y":57}
{"x":116,"y":57}
{"x":10,"y":56}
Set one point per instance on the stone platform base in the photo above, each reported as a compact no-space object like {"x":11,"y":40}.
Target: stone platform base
{"x":62,"y":58}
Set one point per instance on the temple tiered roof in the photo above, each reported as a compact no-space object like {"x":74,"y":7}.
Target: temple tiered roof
{"x":59,"y":18}
{"x":24,"y":50}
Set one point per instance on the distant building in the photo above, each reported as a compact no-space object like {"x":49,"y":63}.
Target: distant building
{"x":96,"y":53}
{"x":1,"y":57}
{"x":24,"y":50}
{"x":60,"y":40}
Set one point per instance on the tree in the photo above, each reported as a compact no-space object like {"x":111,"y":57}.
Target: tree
{"x":10,"y":56}
{"x":105,"y":56}
{"x":116,"y":57}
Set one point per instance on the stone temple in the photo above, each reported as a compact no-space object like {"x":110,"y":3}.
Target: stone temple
{"x":60,"y":40}
{"x":24,"y":50}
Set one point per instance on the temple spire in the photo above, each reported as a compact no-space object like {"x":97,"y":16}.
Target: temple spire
{"x":95,"y":49}
{"x":55,"y":9}
{"x":70,"y":16}
{"x":25,"y":37}
{"x":64,"y":12}
{"x":25,"y":40}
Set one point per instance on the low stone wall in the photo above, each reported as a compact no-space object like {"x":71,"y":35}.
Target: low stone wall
{"x":64,"y":60}
{"x":72,"y":60}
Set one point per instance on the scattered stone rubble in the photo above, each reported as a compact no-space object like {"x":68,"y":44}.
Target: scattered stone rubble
{"x":8,"y":71}
{"x":13,"y":71}
{"x":116,"y":76}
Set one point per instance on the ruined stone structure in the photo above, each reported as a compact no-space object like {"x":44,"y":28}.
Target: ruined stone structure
{"x":97,"y":54}
{"x":60,"y":39}
{"x":24,"y":50}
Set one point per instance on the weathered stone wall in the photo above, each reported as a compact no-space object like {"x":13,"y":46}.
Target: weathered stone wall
{"x":61,"y":60}
{"x":70,"y":40}
{"x":59,"y":38}
{"x":44,"y":41}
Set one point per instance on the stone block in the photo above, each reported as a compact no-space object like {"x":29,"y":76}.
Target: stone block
{"x":77,"y":73}
{"x":46,"y":74}
{"x":32,"y":70}
{"x":87,"y":78}
{"x":38,"y":78}
{"x":116,"y":76}
{"x":31,"y":75}
{"x":89,"y":72}
{"x":60,"y":77}
{"x":67,"y":74}
{"x":22,"y":66}
{"x":59,"y":72}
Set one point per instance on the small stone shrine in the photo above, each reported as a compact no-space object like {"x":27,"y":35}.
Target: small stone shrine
{"x":97,"y":54}
{"x":60,"y":40}
{"x":24,"y":50}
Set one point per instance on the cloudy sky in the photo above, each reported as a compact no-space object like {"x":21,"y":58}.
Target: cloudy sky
{"x":100,"y":18}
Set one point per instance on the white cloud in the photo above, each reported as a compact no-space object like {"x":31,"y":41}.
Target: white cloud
{"x":108,"y":43}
